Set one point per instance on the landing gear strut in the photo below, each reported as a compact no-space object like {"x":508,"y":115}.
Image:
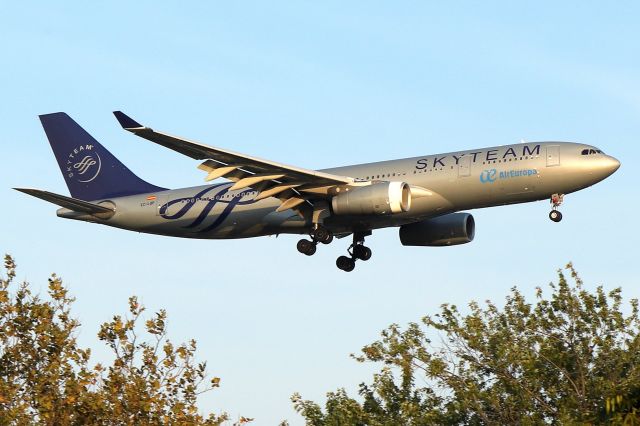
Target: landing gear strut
{"x":556,"y":201}
{"x":322,"y":235}
{"x":319,"y":234}
{"x":357,"y":250}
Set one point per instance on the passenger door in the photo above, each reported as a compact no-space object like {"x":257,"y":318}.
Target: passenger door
{"x":464,"y":166}
{"x":553,"y":155}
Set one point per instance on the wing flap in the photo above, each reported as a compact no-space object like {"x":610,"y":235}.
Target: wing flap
{"x":290,"y":203}
{"x":275,"y":190}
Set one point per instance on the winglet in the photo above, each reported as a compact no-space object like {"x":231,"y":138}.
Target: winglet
{"x":125,"y":121}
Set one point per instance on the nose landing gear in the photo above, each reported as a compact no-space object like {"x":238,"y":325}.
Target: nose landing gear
{"x":319,"y":234}
{"x":555,"y":215}
{"x":556,"y":201}
{"x":357,"y":250}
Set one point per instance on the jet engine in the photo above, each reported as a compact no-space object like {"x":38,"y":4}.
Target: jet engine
{"x":448,"y":230}
{"x":378,"y":198}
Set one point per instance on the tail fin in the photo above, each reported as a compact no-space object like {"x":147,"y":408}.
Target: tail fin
{"x":90,"y":171}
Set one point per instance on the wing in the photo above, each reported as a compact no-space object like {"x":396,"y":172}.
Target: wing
{"x":293,"y":186}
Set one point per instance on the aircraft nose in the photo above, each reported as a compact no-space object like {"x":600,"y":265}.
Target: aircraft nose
{"x":608,"y":165}
{"x":612,"y":164}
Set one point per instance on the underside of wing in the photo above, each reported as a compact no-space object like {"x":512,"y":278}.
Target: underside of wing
{"x":294,"y":186}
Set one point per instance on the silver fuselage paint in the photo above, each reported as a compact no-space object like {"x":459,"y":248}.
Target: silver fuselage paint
{"x":458,"y":181}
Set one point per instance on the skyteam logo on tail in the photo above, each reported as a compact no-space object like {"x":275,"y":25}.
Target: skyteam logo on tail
{"x":83,"y":164}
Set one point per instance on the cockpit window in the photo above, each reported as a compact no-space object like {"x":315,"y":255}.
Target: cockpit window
{"x":591,"y":151}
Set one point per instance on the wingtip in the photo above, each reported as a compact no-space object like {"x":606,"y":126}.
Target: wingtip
{"x":125,"y":121}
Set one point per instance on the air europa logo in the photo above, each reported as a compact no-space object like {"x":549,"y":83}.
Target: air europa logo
{"x":488,"y":176}
{"x":491,"y":175}
{"x":83,"y":164}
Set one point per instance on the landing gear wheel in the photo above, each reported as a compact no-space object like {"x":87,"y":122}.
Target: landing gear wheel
{"x":555,"y":215}
{"x":361,"y":252}
{"x":345,"y":263}
{"x":306,"y":247}
{"x":323,"y":235}
{"x":556,"y":201}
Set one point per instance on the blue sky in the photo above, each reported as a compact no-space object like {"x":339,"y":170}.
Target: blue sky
{"x":315,"y":85}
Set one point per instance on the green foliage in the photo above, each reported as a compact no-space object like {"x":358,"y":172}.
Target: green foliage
{"x":572,"y":357}
{"x":45,"y":378}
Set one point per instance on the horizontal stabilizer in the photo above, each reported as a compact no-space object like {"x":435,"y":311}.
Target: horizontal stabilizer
{"x":70,"y":203}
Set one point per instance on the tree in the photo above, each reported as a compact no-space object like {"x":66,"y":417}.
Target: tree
{"x":572,"y":357}
{"x":45,"y":378}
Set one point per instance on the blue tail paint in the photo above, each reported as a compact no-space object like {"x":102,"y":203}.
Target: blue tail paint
{"x":91,"y":172}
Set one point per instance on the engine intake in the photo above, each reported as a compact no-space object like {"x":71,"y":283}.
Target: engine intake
{"x":448,"y":230}
{"x":377,"y":198}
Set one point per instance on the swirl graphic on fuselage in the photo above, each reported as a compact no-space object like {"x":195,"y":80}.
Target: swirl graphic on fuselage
{"x":190,"y":202}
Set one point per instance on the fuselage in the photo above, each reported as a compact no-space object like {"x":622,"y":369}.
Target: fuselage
{"x":445,"y":183}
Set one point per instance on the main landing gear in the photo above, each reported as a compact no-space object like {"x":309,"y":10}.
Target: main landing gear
{"x":556,"y":201}
{"x":319,"y":234}
{"x":357,"y":250}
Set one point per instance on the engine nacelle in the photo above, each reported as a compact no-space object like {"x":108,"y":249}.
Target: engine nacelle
{"x":377,"y":198}
{"x":448,"y":230}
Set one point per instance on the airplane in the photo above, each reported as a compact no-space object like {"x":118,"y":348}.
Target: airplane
{"x":423,"y":196}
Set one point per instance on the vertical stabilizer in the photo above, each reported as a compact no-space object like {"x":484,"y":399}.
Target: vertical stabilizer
{"x":90,"y":171}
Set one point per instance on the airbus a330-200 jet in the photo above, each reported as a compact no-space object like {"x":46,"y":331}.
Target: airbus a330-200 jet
{"x":423,"y":196}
